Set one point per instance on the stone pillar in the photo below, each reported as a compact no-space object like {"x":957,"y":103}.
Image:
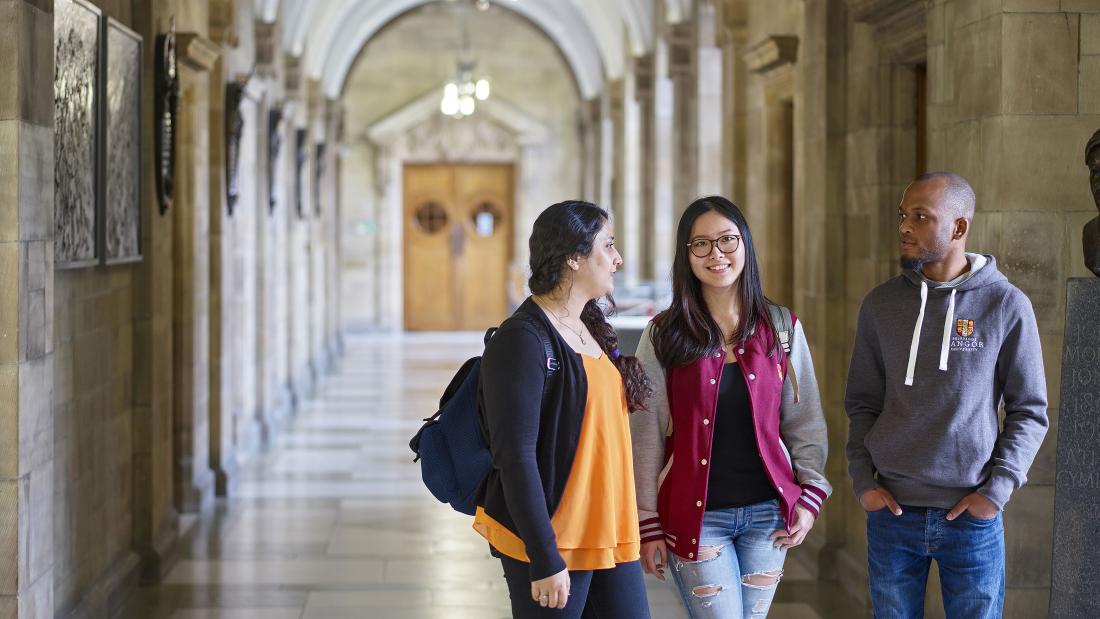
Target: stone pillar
{"x":622,"y":116}
{"x":731,"y":35}
{"x":155,"y":519}
{"x":223,"y":322}
{"x":821,"y":243}
{"x":591,"y":147}
{"x":295,"y":255}
{"x":709,"y":112}
{"x":643,"y":160}
{"x":770,"y":199}
{"x":191,"y":291}
{"x":663,"y":170}
{"x":334,"y":127}
{"x":1018,"y":136}
{"x":682,"y":69}
{"x":26,"y":311}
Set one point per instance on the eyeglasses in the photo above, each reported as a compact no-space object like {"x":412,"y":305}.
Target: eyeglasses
{"x":701,"y":248}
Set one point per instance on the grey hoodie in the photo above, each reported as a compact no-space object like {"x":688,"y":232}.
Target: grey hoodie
{"x":931,"y":364}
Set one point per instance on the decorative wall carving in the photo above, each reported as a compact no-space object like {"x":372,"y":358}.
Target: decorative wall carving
{"x":76,"y":100}
{"x":122,"y":208}
{"x":274,"y":144}
{"x":476,"y":138}
{"x":166,"y":96}
{"x":318,"y":176}
{"x":301,"y":142}
{"x":234,"y":129}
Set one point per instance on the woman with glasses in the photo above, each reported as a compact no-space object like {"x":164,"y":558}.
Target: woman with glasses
{"x":729,"y":456}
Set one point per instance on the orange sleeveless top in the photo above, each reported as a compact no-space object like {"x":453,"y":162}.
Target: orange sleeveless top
{"x":596,"y":523}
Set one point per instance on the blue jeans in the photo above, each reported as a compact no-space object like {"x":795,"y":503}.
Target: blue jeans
{"x":734,"y":549}
{"x":614,"y":593}
{"x":969,"y":552}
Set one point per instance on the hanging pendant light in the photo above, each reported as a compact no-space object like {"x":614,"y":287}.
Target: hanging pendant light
{"x":462,"y":92}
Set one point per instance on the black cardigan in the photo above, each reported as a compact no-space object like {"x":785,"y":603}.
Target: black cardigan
{"x":532,"y":446}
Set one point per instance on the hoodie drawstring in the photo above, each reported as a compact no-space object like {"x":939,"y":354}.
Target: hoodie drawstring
{"x":916,"y":335}
{"x":946,"y":346}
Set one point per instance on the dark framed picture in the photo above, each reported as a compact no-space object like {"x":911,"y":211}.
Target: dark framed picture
{"x":122,"y":145}
{"x":77,"y":186}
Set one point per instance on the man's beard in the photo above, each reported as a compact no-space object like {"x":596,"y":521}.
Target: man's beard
{"x":912,"y":263}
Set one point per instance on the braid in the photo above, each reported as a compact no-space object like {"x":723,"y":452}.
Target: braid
{"x":638,"y":387}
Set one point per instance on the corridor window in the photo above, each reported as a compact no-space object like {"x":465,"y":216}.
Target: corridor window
{"x":431,"y":217}
{"x":486,"y":217}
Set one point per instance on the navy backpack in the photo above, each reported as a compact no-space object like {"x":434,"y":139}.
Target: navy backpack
{"x":454,"y":457}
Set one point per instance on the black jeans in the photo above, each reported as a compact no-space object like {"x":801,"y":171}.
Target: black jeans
{"x":615,"y":593}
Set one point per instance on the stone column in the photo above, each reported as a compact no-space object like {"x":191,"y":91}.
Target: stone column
{"x":155,"y":519}
{"x":730,"y":38}
{"x":591,"y":147}
{"x":223,"y":322}
{"x":334,"y":127}
{"x":682,"y":69}
{"x":191,"y":291}
{"x":631,"y":204}
{"x":643,"y":159}
{"x":26,"y":310}
{"x":709,"y":112}
{"x":663,"y":170}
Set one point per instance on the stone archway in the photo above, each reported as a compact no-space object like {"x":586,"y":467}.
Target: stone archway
{"x":498,"y":132}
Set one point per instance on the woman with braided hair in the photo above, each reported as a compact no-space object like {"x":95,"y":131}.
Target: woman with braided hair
{"x":558,"y":506}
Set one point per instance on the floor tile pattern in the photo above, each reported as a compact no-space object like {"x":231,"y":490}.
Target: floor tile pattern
{"x":332,"y":521}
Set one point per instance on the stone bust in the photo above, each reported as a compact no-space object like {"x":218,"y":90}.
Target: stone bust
{"x":1091,"y":237}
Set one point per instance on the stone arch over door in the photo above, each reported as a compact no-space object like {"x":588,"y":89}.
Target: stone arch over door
{"x":498,"y":132}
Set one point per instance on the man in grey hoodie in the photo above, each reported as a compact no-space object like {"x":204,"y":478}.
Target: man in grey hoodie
{"x":938,"y":349}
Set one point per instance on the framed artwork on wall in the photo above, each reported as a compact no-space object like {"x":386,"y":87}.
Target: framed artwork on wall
{"x":122,"y":145}
{"x":77,"y":42}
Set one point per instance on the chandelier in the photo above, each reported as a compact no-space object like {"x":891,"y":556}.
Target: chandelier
{"x":462,"y":92}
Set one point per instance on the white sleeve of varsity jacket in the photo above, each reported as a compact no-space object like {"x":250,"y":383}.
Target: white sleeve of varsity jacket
{"x":802,"y":424}
{"x":648,"y":429}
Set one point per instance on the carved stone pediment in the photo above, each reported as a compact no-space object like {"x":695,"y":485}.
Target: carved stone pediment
{"x":900,"y":26}
{"x":477,"y":138}
{"x":773,"y":53}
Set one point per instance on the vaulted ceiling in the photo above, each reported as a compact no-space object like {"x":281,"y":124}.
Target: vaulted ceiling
{"x":591,"y":34}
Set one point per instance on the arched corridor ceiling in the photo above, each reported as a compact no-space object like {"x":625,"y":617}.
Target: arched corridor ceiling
{"x":590,"y":34}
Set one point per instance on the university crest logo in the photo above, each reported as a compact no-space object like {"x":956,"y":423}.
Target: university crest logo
{"x":964,"y":327}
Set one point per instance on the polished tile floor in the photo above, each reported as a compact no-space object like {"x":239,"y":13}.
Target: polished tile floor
{"x":333,"y":521}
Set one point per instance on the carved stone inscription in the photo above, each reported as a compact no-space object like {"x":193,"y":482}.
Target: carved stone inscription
{"x":1075,"y":587}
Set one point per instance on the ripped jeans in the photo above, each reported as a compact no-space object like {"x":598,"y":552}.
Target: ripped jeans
{"x":738,"y":568}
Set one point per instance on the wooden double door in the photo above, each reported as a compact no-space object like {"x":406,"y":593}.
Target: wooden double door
{"x":457,"y":245}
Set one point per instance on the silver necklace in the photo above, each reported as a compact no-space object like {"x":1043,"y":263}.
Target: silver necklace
{"x":578,"y":332}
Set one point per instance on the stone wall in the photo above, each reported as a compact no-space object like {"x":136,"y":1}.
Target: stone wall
{"x":125,"y":388}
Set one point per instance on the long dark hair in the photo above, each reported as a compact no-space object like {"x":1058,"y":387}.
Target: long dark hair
{"x":565,"y":230}
{"x":685,"y":331}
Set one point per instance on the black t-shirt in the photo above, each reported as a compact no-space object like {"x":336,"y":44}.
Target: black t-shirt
{"x":737,"y":476}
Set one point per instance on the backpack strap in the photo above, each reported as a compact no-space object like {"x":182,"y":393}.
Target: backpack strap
{"x":784,"y":328}
{"x":552,"y":363}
